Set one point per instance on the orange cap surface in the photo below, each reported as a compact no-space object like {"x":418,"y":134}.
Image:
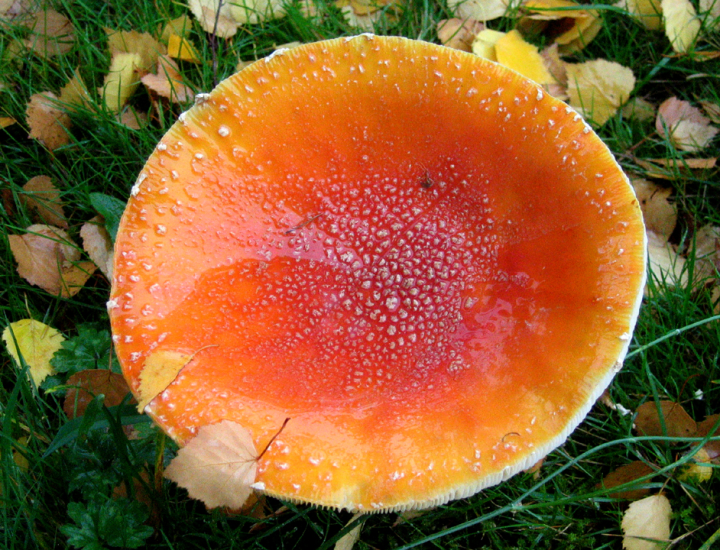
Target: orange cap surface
{"x":429,"y":265}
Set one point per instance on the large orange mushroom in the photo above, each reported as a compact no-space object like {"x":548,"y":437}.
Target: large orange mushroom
{"x":428,"y":264}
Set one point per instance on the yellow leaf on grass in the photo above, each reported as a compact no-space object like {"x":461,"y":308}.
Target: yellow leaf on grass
{"x":140,"y":43}
{"x":6,"y":121}
{"x":51,"y":34}
{"x":513,"y":52}
{"x":682,"y":25}
{"x":639,"y":109}
{"x":480,"y":10}
{"x":159,"y":370}
{"x":97,"y":244}
{"x":75,"y":92}
{"x":648,"y":518}
{"x":47,"y":258}
{"x":698,"y":469}
{"x":348,"y":540}
{"x":711,"y":8}
{"x":168,"y":82}
{"x":254,"y":11}
{"x":684,"y":125}
{"x":647,"y":12}
{"x":599,"y":88}
{"x":484,"y":44}
{"x":180,"y":26}
{"x":48,"y":123}
{"x":578,"y":27}
{"x":182,"y":48}
{"x":121,"y":80}
{"x":214,"y":17}
{"x":218,"y":466}
{"x":36,"y":342}
{"x":40,"y":195}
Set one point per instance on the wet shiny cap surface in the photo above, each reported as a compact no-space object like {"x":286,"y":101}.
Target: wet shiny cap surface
{"x":429,"y":265}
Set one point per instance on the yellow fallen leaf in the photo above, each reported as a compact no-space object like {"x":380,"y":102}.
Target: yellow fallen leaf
{"x":646,"y":12}
{"x":75,"y":92}
{"x":51,"y":34}
{"x":214,"y":17}
{"x":458,"y":34}
{"x":484,"y":44}
{"x":168,"y":82}
{"x":599,"y":88}
{"x":140,"y":43}
{"x":348,"y":540}
{"x":181,"y":26}
{"x":47,"y":121}
{"x":6,"y":121}
{"x":711,"y":9}
{"x":218,"y":466}
{"x":579,"y":26}
{"x":36,"y":342}
{"x":659,"y":215}
{"x":699,"y":469}
{"x":254,"y":11}
{"x":121,"y":80}
{"x":160,"y":369}
{"x":363,"y":14}
{"x":684,"y":125}
{"x":182,"y":48}
{"x":682,"y":25}
{"x":480,"y":10}
{"x":41,"y":195}
{"x":97,"y":244}
{"x":513,"y":52}
{"x":648,"y":518}
{"x":47,"y":258}
{"x":639,"y":109}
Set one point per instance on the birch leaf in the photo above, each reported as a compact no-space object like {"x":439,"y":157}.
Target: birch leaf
{"x":48,"y":123}
{"x":644,"y":519}
{"x":599,"y":88}
{"x":682,"y":25}
{"x":98,"y":245}
{"x":36,"y":342}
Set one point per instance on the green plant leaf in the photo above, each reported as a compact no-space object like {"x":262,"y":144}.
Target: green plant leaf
{"x":115,"y":523}
{"x":109,"y":208}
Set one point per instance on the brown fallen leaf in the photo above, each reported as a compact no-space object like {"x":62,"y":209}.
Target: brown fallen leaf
{"x":43,"y":197}
{"x":87,"y":384}
{"x":659,"y":215}
{"x":651,"y":416}
{"x":648,"y":518}
{"x":132,"y":119}
{"x":705,"y":428}
{"x":168,"y":82}
{"x":98,"y":245}
{"x":47,"y":121}
{"x":627,"y":473}
{"x":684,"y":125}
{"x":51,"y":34}
{"x":218,"y":466}
{"x":47,"y":258}
{"x":458,"y":33}
{"x":599,"y":88}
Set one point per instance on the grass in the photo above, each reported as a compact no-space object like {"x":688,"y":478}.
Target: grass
{"x":52,"y":494}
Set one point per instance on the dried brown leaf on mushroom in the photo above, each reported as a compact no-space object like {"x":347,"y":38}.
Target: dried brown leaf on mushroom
{"x":682,"y":25}
{"x":664,"y":418}
{"x":48,"y":122}
{"x":48,"y":258}
{"x":684,"y":125}
{"x":168,"y":81}
{"x":51,"y":34}
{"x":599,"y":88}
{"x":85,"y":385}
{"x":41,"y":196}
{"x":627,"y":473}
{"x":563,"y":21}
{"x":218,"y":466}
{"x":646,"y":523}
{"x":479,"y":10}
{"x":458,"y":33}
{"x":98,"y":245}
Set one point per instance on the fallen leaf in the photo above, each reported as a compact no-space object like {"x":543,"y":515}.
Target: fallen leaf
{"x":480,"y":10}
{"x":183,"y":49}
{"x":6,"y":121}
{"x":75,"y":92}
{"x":36,"y":342}
{"x":711,"y":9}
{"x":98,"y":245}
{"x":458,"y":34}
{"x":181,"y":26}
{"x":684,"y":125}
{"x":255,"y":11}
{"x":651,"y":416}
{"x":40,"y":195}
{"x":47,"y":258}
{"x":712,"y":110}
{"x":168,"y":82}
{"x":599,"y":88}
{"x":484,"y":44}
{"x":160,"y":369}
{"x":563,"y":22}
{"x":698,"y":469}
{"x":121,"y":80}
{"x":647,"y":12}
{"x":682,"y":25}
{"x":639,"y":109}
{"x":364,"y":14}
{"x":666,"y":265}
{"x":85,"y":385}
{"x":140,"y":43}
{"x":686,"y":163}
{"x":130,"y":118}
{"x":522,"y":57}
{"x":555,"y":65}
{"x":215,"y":17}
{"x":627,"y":473}
{"x":705,"y":428}
{"x":51,"y":34}
{"x":348,"y":540}
{"x":218,"y":466}
{"x":648,"y":518}
{"x":659,"y":215}
{"x":48,"y":123}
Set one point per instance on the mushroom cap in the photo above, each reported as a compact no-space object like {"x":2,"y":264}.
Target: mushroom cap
{"x":428,"y":264}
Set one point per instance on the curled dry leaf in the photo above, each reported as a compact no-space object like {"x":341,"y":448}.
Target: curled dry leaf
{"x":659,"y":215}
{"x":36,"y":342}
{"x":684,"y":125}
{"x":47,"y":258}
{"x":458,"y":34}
{"x":98,"y":245}
{"x":121,"y":80}
{"x":87,"y":384}
{"x":40,"y":195}
{"x":627,"y":473}
{"x":599,"y":88}
{"x":48,"y":123}
{"x":651,"y":416}
{"x":479,"y":10}
{"x":646,"y":12}
{"x":168,"y":82}
{"x":215,"y":17}
{"x":563,"y":21}
{"x":682,"y":25}
{"x":160,"y":369}
{"x":51,"y":34}
{"x":648,"y":518}
{"x":218,"y":466}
